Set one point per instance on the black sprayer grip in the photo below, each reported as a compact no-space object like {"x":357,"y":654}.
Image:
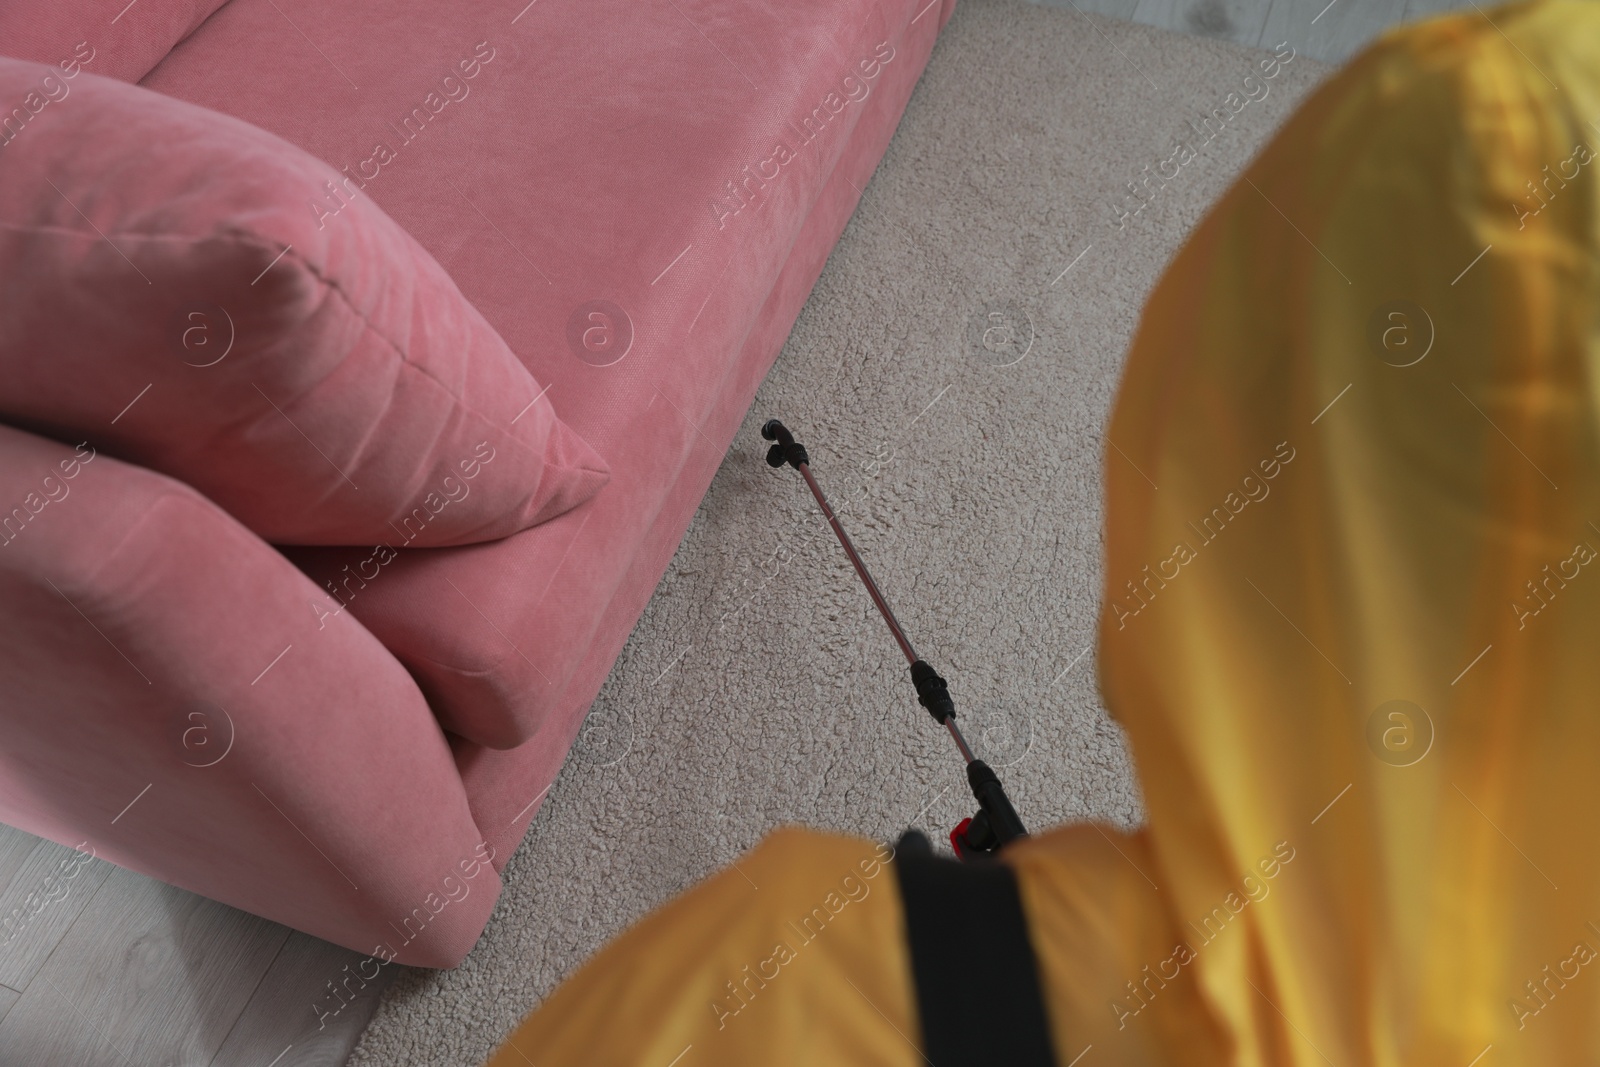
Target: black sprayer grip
{"x":1002,"y":817}
{"x":932,"y":692}
{"x":787,"y":450}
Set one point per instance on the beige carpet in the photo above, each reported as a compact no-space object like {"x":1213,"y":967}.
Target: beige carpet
{"x":963,"y":452}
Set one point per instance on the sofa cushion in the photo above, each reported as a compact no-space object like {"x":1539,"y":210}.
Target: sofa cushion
{"x":113,"y":40}
{"x":234,"y":313}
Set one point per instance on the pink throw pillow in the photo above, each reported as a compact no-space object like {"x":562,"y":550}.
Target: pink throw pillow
{"x":195,"y":295}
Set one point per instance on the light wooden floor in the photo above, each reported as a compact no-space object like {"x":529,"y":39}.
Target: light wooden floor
{"x":101,"y":966}
{"x":123,"y":971}
{"x":1329,"y":32}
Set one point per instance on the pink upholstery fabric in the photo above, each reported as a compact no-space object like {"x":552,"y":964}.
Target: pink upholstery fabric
{"x":232,"y":312}
{"x":506,"y":788}
{"x":172,"y":705}
{"x":112,"y":40}
{"x":650,"y":164}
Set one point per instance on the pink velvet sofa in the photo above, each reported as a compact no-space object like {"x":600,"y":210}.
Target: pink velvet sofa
{"x":213,"y":672}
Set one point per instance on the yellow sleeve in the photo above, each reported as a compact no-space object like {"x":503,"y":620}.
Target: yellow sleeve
{"x":792,"y":957}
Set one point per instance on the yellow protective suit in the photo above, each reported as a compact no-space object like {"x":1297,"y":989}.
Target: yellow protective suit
{"x":1351,"y":623}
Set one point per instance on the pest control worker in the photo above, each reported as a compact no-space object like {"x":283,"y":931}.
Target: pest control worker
{"x":1350,"y":622}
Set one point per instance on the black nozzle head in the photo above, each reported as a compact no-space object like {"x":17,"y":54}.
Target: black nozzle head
{"x":785,"y":450}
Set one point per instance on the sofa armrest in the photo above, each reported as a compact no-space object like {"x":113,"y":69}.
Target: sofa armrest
{"x":179,"y":698}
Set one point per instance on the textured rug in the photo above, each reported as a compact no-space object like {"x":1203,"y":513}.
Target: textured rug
{"x":951,"y":375}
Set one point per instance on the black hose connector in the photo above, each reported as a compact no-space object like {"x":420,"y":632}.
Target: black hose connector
{"x":787,"y":450}
{"x":1003,"y":822}
{"x":932,"y":692}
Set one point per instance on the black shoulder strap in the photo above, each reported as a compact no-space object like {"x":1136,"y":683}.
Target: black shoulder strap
{"x":977,"y":982}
